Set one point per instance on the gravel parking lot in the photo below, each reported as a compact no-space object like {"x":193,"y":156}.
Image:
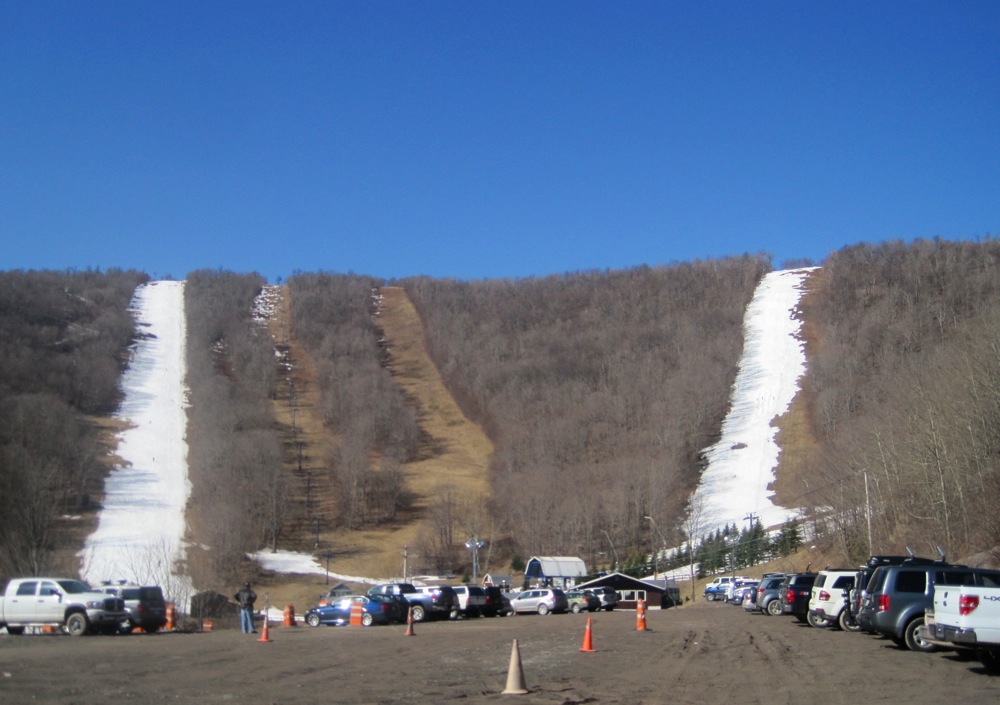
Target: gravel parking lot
{"x":704,"y":654}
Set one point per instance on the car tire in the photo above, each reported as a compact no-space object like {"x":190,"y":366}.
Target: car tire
{"x":419,"y":615}
{"x":543,"y":609}
{"x":773,"y":608}
{"x":151,"y":629}
{"x":77,"y":624}
{"x":576,"y":608}
{"x":312,"y":619}
{"x":914,"y":638}
{"x":609,"y":608}
{"x":15,"y":631}
{"x":366,"y":619}
{"x":817,"y":622}
{"x":847,"y":622}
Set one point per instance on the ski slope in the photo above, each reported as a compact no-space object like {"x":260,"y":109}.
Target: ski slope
{"x":741,"y":464}
{"x":140,"y":530}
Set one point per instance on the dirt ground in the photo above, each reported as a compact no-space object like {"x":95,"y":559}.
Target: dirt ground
{"x":704,"y":654}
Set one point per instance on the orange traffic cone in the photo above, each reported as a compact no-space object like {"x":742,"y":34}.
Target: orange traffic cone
{"x":170,"y":617}
{"x":640,"y":616}
{"x":588,"y":643}
{"x":409,"y":623}
{"x":515,"y":678}
{"x":264,"y":636}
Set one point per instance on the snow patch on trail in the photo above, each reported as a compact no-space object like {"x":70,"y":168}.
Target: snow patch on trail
{"x":140,"y":530}
{"x":742,"y":463}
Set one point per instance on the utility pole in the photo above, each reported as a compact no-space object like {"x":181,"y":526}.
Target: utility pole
{"x":868,"y":512}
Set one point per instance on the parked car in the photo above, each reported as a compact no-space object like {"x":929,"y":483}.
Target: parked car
{"x":864,"y":576}
{"x":828,"y":600}
{"x":898,"y":596}
{"x":377,"y":609}
{"x":497,"y":603}
{"x":145,"y":605}
{"x":426,"y":602}
{"x":540,"y":600}
{"x":471,"y":601}
{"x":795,"y":593}
{"x":607,"y":595}
{"x":740,"y":589}
{"x":768,"y":598}
{"x":582,"y":601}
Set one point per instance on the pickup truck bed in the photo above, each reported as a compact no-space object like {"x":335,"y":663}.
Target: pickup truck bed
{"x":969,"y":617}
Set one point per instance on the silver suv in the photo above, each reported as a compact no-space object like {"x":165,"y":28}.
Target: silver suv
{"x":540,"y":600}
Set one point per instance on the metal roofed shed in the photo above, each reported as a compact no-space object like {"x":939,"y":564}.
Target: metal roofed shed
{"x":557,"y":571}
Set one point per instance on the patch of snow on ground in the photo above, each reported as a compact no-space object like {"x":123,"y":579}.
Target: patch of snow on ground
{"x":741,"y":464}
{"x":139,"y":535}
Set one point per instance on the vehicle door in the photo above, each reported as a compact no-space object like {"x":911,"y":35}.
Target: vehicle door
{"x":50,"y":602}
{"x":22,"y":606}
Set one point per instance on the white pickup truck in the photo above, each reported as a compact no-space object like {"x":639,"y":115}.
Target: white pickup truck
{"x":969,"y":617}
{"x":59,"y":602}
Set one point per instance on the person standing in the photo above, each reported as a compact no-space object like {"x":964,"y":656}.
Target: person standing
{"x":246,"y":597}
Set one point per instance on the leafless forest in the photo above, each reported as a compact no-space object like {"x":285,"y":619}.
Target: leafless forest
{"x":598,"y":390}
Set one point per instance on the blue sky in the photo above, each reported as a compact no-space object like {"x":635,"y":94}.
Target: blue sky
{"x":489,"y":139}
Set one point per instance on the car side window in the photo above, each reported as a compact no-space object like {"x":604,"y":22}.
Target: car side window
{"x":911,"y":581}
{"x":48,"y":589}
{"x":844,"y":581}
{"x":27,"y":588}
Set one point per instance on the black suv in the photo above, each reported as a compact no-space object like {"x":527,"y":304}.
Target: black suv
{"x":497,"y":603}
{"x":898,"y":595}
{"x":795,"y":593}
{"x":145,"y":606}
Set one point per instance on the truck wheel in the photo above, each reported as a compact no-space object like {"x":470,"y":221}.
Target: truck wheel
{"x":15,"y":631}
{"x":914,"y":637}
{"x":989,"y":659}
{"x":774,"y":608}
{"x":77,"y":624}
{"x":419,"y":615}
{"x":125,"y":626}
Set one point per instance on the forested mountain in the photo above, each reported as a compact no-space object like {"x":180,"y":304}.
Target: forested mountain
{"x":64,"y":341}
{"x":903,"y":386}
{"x":598,"y":390}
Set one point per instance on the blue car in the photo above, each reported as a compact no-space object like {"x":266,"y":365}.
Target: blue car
{"x":376,"y":610}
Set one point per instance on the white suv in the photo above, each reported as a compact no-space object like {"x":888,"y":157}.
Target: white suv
{"x":827,"y":601}
{"x":471,"y":600}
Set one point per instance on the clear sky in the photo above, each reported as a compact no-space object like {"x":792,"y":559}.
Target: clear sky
{"x":489,"y":139}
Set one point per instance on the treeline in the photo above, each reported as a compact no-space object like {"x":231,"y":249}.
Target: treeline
{"x":904,"y":388}
{"x":240,"y":492}
{"x":333,"y":318}
{"x":598,"y":389}
{"x":64,"y":339}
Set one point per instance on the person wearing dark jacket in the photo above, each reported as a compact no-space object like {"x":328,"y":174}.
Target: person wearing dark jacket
{"x":246,"y":597}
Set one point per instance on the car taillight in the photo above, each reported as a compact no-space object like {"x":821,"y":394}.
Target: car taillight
{"x":883,"y":603}
{"x":824,"y":596}
{"x":967,"y":604}
{"x":386,"y":607}
{"x":760,"y":592}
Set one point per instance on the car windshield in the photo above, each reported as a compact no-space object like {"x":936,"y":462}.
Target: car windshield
{"x":74,"y":586}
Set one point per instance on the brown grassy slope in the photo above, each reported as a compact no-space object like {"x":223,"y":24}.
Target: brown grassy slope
{"x":796,"y":439}
{"x":461,"y":451}
{"x":455,"y":453}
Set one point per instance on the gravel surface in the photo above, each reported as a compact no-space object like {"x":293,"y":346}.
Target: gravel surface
{"x":704,"y":654}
